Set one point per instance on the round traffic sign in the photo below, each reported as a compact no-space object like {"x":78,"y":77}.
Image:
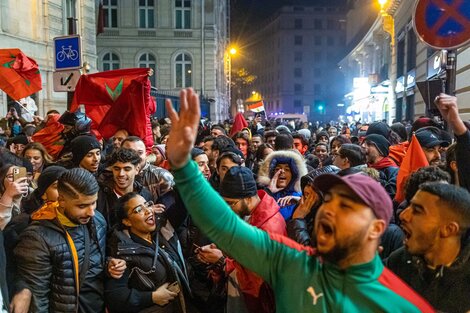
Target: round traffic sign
{"x":443,"y":24}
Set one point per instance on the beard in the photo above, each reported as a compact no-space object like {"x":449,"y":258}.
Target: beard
{"x":343,"y":249}
{"x":79,"y":221}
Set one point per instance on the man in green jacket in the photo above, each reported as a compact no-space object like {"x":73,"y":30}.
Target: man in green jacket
{"x":345,"y":273}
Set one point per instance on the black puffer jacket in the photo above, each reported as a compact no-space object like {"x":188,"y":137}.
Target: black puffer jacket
{"x":46,"y":267}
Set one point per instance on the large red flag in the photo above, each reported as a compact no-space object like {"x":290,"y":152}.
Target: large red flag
{"x":116,"y":100}
{"x":19,"y":74}
{"x":414,"y":159}
{"x":238,"y":124}
{"x":50,"y":136}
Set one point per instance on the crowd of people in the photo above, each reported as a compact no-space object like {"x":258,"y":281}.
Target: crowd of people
{"x":235,"y":217}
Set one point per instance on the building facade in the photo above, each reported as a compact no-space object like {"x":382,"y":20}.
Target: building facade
{"x":400,"y":60}
{"x":184,"y":41}
{"x":297,"y":52}
{"x":31,"y":26}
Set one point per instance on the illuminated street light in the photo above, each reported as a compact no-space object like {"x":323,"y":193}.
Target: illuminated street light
{"x":233,"y":51}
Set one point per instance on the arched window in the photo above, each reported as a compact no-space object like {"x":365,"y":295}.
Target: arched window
{"x":148,"y":60}
{"x":183,"y":14}
{"x":110,"y":62}
{"x":183,"y":70}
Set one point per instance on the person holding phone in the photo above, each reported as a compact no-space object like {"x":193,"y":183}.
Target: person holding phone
{"x":13,"y":185}
{"x":155,"y":279}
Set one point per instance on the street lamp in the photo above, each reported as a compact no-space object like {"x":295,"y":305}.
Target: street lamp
{"x":231,"y":52}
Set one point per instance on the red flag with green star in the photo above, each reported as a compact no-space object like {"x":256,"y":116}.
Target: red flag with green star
{"x":19,"y":74}
{"x":118,"y":99}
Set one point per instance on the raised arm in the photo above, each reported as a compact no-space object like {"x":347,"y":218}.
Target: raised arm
{"x":248,"y":245}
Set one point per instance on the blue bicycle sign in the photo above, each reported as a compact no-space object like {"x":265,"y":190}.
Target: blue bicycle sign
{"x":67,"y":52}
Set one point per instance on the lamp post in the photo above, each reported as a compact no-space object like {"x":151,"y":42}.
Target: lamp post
{"x":231,"y":52}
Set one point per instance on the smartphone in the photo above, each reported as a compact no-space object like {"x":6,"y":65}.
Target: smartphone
{"x":19,"y":172}
{"x":174,"y":287}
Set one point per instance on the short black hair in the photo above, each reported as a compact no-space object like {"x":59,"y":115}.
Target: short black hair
{"x":77,"y":181}
{"x":302,"y":138}
{"x":120,"y":206}
{"x":423,"y":175}
{"x":222,"y":142}
{"x":208,"y":138}
{"x":124,"y":155}
{"x":456,"y":199}
{"x":219,"y":127}
{"x":270,"y":133}
{"x":356,"y":154}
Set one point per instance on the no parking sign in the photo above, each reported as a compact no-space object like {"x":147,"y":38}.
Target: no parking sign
{"x":443,"y":24}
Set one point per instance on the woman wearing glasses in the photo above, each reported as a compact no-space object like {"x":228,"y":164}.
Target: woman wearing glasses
{"x":155,"y":279}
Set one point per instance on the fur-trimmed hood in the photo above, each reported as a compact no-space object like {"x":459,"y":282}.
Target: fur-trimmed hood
{"x":291,"y":157}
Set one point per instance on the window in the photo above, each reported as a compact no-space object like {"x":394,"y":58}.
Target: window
{"x":70,"y":8}
{"x":317,"y":40}
{"x":411,"y":50}
{"x":297,"y":103}
{"x":331,"y":24}
{"x":298,"y":72}
{"x":298,"y":23}
{"x":110,"y":62}
{"x":330,"y":41}
{"x":298,"y":56}
{"x":400,"y":58}
{"x":298,"y":40}
{"x":298,"y":88}
{"x":110,"y":13}
{"x":317,"y":55}
{"x":183,"y":14}
{"x":183,"y":71}
{"x":148,"y":60}
{"x":146,"y":14}
{"x":317,"y":24}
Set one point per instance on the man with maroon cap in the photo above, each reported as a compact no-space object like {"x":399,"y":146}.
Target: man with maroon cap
{"x":344,"y":274}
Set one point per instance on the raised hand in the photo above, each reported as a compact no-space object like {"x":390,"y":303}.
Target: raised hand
{"x":273,"y":183}
{"x":449,"y":110}
{"x":184,"y":127}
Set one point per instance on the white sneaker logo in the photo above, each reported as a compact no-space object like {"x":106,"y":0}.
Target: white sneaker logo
{"x":315,"y":297}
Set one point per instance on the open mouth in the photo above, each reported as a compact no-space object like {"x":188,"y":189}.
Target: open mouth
{"x":150,"y":220}
{"x":324,"y":231}
{"x":407,"y":234}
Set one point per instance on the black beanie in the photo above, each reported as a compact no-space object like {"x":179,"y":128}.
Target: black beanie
{"x":238,"y":183}
{"x":380,"y":142}
{"x":48,"y":176}
{"x":81,"y":146}
{"x":378,"y":128}
{"x":20,"y":139}
{"x":195,"y":152}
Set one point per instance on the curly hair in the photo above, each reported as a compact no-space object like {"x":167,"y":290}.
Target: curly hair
{"x":124,"y":155}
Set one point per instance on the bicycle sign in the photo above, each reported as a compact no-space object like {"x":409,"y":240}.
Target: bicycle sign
{"x":67,"y":52}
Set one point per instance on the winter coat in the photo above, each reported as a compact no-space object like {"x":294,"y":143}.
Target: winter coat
{"x":47,"y":266}
{"x":3,"y":282}
{"x":388,"y":172}
{"x":257,"y":295}
{"x":156,"y":179}
{"x":447,"y":288}
{"x":123,"y":295}
{"x":298,"y":169}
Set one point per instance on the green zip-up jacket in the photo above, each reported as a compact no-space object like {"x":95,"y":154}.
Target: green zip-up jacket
{"x":301,"y":282}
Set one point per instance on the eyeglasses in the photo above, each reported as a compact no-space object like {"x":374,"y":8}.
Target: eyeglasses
{"x":140,"y":209}
{"x":232,"y":204}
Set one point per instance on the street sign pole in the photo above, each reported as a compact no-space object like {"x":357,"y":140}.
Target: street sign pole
{"x":72,"y":30}
{"x":451,"y":72}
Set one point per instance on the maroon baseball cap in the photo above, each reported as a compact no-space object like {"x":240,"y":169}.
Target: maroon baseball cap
{"x":367,"y":189}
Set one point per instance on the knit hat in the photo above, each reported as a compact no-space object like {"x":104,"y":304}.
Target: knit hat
{"x":195,"y":152}
{"x":380,"y":142}
{"x":81,"y":145}
{"x":379,"y":128}
{"x":305,"y":132}
{"x":366,"y":188}
{"x":48,"y":176}
{"x":283,"y":129}
{"x":238,"y":183}
{"x":310,"y":177}
{"x":20,"y":139}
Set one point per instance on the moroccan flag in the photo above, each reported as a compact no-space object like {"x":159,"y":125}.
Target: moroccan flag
{"x":256,"y":107}
{"x":414,"y":159}
{"x":19,"y":74}
{"x":50,"y":135}
{"x":117,"y":100}
{"x":238,"y":124}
